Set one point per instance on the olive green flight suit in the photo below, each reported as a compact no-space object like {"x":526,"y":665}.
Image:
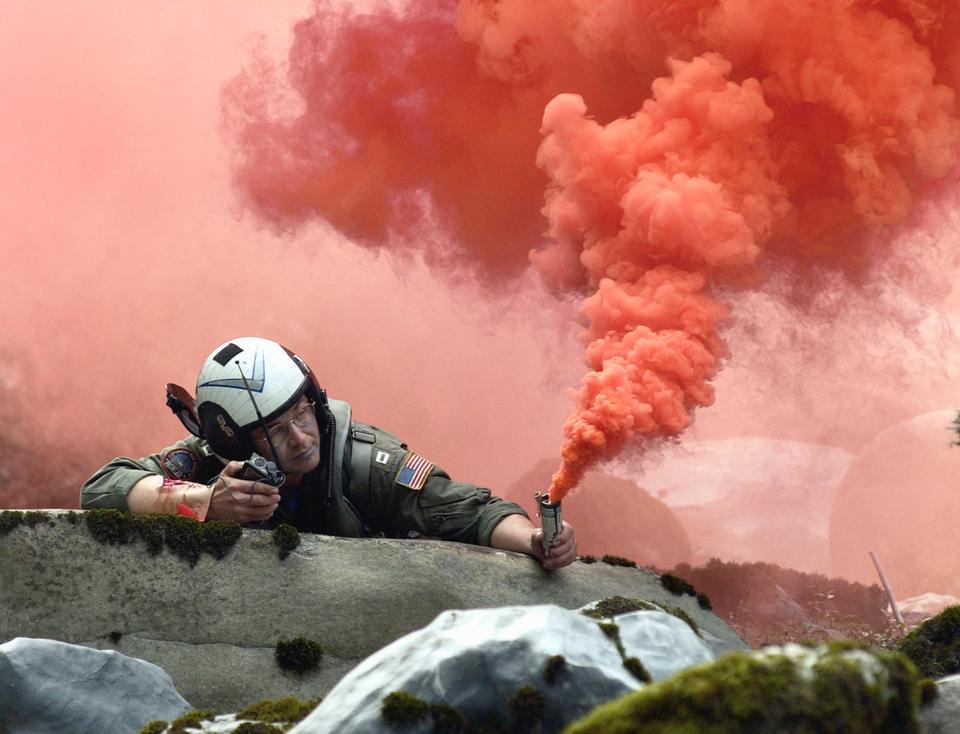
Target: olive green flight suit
{"x":362,"y":496}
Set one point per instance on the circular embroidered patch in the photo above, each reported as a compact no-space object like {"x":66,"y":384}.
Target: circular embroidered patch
{"x":180,"y":463}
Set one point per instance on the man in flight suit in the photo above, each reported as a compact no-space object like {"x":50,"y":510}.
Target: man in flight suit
{"x":257,"y":402}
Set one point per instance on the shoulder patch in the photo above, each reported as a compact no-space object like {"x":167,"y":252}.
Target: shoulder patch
{"x":414,"y":472}
{"x":180,"y":463}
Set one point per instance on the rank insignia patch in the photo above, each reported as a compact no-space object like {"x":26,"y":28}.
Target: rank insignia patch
{"x":414,"y":472}
{"x":382,"y":457}
{"x":180,"y":463}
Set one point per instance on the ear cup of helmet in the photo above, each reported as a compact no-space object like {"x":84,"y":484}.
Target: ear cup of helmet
{"x":223,"y":434}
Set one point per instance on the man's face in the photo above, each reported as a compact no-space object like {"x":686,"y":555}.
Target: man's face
{"x":295,"y":436}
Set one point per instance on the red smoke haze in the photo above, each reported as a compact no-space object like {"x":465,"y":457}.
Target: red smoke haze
{"x":124,"y":263}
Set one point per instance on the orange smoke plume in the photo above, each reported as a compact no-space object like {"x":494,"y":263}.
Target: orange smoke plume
{"x":794,"y":127}
{"x":724,"y":138}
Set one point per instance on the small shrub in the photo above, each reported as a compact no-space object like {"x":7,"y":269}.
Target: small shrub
{"x":190,"y":719}
{"x":704,"y":601}
{"x":402,"y":708}
{"x":612,"y":631}
{"x":618,"y":561}
{"x":934,"y":646}
{"x":928,"y":691}
{"x":256,"y":727}
{"x":637,"y":669}
{"x":299,"y":654}
{"x":587,"y":559}
{"x":554,"y":667}
{"x":676,"y":585}
{"x":614,"y":605}
{"x":157,"y":726}
{"x":287,"y":709}
{"x":286,"y":538}
{"x":446,"y":719}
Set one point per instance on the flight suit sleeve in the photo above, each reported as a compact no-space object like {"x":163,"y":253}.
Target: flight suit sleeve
{"x":402,"y":501}
{"x":188,"y":460}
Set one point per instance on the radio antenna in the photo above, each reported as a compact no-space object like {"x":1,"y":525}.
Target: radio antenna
{"x":256,"y":408}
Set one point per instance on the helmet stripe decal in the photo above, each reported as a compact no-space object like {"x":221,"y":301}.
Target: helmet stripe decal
{"x":257,"y":380}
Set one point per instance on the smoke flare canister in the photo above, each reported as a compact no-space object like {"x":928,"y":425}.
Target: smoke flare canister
{"x":550,"y":519}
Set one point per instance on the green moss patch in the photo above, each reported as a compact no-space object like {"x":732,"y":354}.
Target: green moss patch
{"x":526,"y":708}
{"x":299,"y":655}
{"x":446,"y":719}
{"x":934,"y":646}
{"x":10,"y":519}
{"x":637,"y":669}
{"x":257,"y":727}
{"x":928,"y":691}
{"x":614,"y":605}
{"x":401,"y":708}
{"x":793,"y":689}
{"x":280,"y":710}
{"x":618,"y":561}
{"x":157,"y":726}
{"x":286,"y":538}
{"x":185,"y":537}
{"x":190,"y":719}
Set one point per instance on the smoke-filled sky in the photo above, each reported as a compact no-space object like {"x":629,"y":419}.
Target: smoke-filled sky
{"x":129,"y":253}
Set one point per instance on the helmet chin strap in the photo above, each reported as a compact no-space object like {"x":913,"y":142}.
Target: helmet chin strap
{"x":263,"y":423}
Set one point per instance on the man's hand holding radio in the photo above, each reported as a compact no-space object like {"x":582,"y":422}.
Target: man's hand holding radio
{"x":242,"y":500}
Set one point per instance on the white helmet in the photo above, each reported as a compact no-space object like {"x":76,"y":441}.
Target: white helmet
{"x":242,"y":378}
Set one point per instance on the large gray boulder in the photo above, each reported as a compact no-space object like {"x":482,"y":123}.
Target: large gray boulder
{"x":214,"y":626}
{"x":475,"y":661}
{"x":49,"y":686}
{"x":942,"y":716}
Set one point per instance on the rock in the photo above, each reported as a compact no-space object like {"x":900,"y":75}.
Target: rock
{"x":49,"y":686}
{"x":791,"y":689}
{"x":214,"y":626}
{"x":899,"y":498}
{"x":916,"y":609}
{"x":474,"y":661}
{"x":942,"y":715}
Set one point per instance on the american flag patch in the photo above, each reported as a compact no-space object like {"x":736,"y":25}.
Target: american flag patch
{"x":414,"y":471}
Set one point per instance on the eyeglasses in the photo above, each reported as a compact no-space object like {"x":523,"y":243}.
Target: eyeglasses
{"x":280,"y":433}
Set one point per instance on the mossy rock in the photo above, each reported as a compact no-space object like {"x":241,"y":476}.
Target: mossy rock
{"x":790,"y":690}
{"x":934,"y":646}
